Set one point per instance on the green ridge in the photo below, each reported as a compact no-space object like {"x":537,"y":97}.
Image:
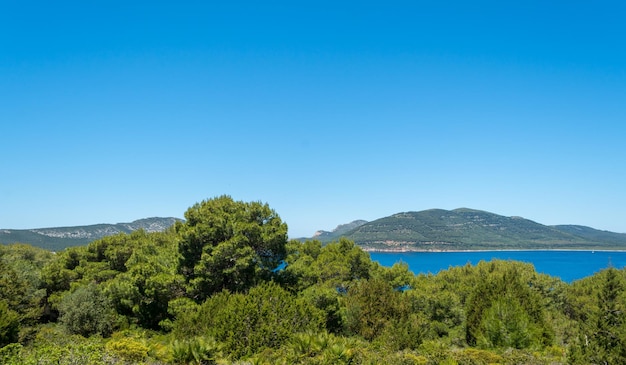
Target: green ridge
{"x":469,"y":229}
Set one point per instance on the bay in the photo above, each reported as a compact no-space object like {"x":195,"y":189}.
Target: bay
{"x":567,"y":265}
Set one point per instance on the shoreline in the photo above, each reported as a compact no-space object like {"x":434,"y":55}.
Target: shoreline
{"x":411,"y":250}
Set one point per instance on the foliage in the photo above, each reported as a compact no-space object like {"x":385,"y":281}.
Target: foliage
{"x":336,"y":264}
{"x":53,"y":347}
{"x":322,"y":275}
{"x":503,"y":311}
{"x":373,"y":309}
{"x":11,"y":354}
{"x":150,"y":281}
{"x":267,"y":316}
{"x":196,"y":350}
{"x":326,"y":299}
{"x":398,"y":275}
{"x":87,"y":311}
{"x":20,"y":280}
{"x":128,"y":349}
{"x":211,"y":290}
{"x":9,"y":324}
{"x":506,"y":324}
{"x":603,"y":335}
{"x":314,"y":348}
{"x":227,"y":244}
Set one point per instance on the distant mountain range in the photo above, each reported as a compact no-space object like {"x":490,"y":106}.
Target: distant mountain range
{"x":427,"y":230}
{"x":469,"y":229}
{"x":56,"y":239}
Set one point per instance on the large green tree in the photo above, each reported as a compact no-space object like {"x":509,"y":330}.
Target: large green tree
{"x":20,"y":279}
{"x":228,"y":244}
{"x":150,"y":281}
{"x":603,"y":334}
{"x":336,"y":264}
{"x":504,"y":311}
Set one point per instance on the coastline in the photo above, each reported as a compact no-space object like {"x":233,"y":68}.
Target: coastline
{"x":422,"y":250}
{"x":568,"y":265}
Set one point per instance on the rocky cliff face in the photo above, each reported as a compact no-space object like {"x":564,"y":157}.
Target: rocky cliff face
{"x":339,"y":231}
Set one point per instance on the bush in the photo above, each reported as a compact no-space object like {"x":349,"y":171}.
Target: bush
{"x":9,"y":324}
{"x":10,"y":354}
{"x":197,"y":350}
{"x":87,"y":311}
{"x":471,"y":356}
{"x":267,"y":317}
{"x":64,"y":350}
{"x":128,"y":349}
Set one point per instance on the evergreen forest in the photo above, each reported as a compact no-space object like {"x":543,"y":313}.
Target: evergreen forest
{"x":226,"y":286}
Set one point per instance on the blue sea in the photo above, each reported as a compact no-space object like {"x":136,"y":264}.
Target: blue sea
{"x":567,"y":265}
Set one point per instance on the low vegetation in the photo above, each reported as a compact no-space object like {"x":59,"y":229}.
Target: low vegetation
{"x":226,"y":286}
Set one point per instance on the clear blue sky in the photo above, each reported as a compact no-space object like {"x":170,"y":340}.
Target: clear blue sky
{"x":329,"y":111}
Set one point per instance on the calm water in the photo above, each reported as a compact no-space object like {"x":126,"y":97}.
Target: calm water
{"x":568,"y":265}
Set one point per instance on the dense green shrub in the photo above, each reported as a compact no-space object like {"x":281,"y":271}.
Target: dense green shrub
{"x":9,"y":324}
{"x":11,"y":354}
{"x":196,"y":350}
{"x":127,"y":348}
{"x":87,"y":311}
{"x":265,"y":317}
{"x":503,"y":311}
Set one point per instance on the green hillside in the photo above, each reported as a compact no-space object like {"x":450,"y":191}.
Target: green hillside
{"x":594,"y":235}
{"x":468,"y":229}
{"x":339,"y":231}
{"x":58,"y":238}
{"x":433,"y":229}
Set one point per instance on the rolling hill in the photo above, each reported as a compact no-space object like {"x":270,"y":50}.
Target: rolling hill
{"x":427,"y":230}
{"x":58,"y":238}
{"x":469,"y":229}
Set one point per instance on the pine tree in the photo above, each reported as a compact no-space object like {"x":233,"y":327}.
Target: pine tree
{"x":608,"y":338}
